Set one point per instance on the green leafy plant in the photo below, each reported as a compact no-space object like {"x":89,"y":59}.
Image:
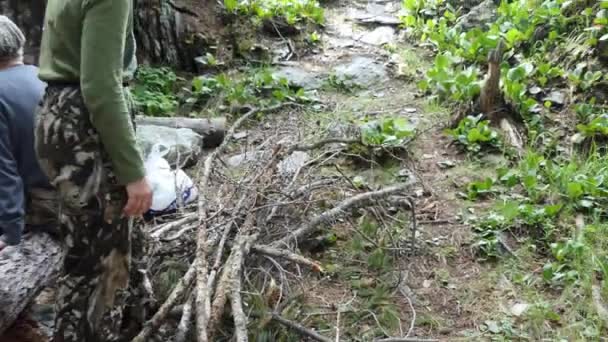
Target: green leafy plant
{"x":478,"y":189}
{"x":387,"y":132}
{"x":154,"y":91}
{"x":565,"y":253}
{"x":475,"y":134}
{"x":293,"y":11}
{"x":450,"y":82}
{"x":258,"y":87}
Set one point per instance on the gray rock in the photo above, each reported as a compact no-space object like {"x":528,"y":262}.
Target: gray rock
{"x":244,"y":158}
{"x":184,"y":144}
{"x":380,"y":36}
{"x":479,"y":16}
{"x":298,"y":77}
{"x":290,"y":165}
{"x":361,"y":72}
{"x":390,"y":20}
{"x":557,"y":97}
{"x":342,"y":130}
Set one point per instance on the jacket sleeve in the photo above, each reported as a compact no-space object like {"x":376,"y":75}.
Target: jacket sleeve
{"x":11,"y":186}
{"x":103,"y":40}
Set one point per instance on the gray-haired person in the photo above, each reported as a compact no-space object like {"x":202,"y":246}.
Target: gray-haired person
{"x":23,"y":185}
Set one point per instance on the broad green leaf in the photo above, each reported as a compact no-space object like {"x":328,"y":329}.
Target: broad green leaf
{"x":575,"y":190}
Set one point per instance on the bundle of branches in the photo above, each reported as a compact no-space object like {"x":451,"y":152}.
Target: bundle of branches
{"x":246,"y":226}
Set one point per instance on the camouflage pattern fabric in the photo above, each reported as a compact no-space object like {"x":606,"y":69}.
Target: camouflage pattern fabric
{"x":93,"y":289}
{"x":41,"y":211}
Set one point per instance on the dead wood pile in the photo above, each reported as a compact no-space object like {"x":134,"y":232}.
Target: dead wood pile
{"x":250,"y":226}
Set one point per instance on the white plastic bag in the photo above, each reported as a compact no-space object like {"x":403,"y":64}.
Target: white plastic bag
{"x":166,"y":183}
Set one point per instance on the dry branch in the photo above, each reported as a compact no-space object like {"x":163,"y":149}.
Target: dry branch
{"x":322,"y":143}
{"x":287,"y":255}
{"x":332,"y":214}
{"x":240,"y":319}
{"x":159,"y":317}
{"x":203,"y":293}
{"x":160,"y":231}
{"x":231,"y":271}
{"x":406,"y":339}
{"x":300,"y":329}
{"x":596,"y":294}
{"x":186,"y":321}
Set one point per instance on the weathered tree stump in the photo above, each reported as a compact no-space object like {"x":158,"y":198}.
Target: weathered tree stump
{"x":176,"y":32}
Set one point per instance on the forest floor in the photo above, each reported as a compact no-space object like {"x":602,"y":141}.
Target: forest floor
{"x":495,"y":245}
{"x":444,"y":292}
{"x":441,"y":290}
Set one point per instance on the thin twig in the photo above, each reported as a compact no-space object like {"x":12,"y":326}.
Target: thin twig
{"x":155,"y":322}
{"x":406,"y":339}
{"x":338,"y":211}
{"x":287,"y":255}
{"x":231,"y":270}
{"x":186,"y":321}
{"x":238,"y":314}
{"x":413,"y":320}
{"x":302,"y":330}
{"x":203,"y":292}
{"x":338,"y":327}
{"x":596,"y":294}
{"x":322,"y":143}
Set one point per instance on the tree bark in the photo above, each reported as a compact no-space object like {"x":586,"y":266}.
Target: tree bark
{"x":24,"y":271}
{"x":168,"y":32}
{"x":176,"y":32}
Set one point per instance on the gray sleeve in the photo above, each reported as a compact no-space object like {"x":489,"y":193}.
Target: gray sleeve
{"x":11,"y":187}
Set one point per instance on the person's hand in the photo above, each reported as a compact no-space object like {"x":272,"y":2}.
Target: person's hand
{"x":140,"y":198}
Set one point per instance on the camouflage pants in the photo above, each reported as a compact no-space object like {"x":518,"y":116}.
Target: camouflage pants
{"x":93,"y":289}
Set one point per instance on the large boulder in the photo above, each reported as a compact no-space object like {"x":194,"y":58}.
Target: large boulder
{"x":184,"y":144}
{"x":479,"y":16}
{"x":299,"y":77}
{"x":361,"y":72}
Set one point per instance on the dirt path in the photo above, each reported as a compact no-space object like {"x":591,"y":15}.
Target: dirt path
{"x":442,"y":291}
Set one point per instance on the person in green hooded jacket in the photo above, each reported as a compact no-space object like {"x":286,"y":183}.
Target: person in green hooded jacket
{"x":85,"y":142}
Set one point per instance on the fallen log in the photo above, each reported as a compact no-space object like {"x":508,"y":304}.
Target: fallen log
{"x":212,"y":130}
{"x":24,"y":271}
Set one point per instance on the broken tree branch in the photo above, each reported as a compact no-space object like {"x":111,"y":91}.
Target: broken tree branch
{"x":186,"y":321}
{"x":332,"y":214}
{"x":203,"y":293}
{"x":240,"y":319}
{"x":300,"y":329}
{"x":406,"y":339}
{"x":178,"y":292}
{"x":287,"y":255}
{"x":322,"y":143}
{"x":232,"y":270}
